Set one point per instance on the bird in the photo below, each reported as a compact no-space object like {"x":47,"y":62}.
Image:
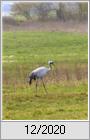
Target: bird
{"x":39,"y":73}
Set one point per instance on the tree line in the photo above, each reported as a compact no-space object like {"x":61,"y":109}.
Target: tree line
{"x":45,"y":11}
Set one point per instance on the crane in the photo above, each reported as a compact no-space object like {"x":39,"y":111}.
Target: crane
{"x":39,"y":73}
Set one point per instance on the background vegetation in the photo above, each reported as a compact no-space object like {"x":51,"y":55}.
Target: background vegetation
{"x":44,"y":11}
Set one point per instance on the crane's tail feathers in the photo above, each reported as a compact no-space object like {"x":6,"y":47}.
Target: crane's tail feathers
{"x":32,"y":77}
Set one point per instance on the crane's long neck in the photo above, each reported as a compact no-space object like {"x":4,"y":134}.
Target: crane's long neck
{"x":50,"y":67}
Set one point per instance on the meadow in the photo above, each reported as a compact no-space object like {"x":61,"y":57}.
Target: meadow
{"x":67,"y":84}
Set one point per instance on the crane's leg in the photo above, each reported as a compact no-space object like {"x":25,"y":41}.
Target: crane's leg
{"x":44,"y":86}
{"x":36,"y":86}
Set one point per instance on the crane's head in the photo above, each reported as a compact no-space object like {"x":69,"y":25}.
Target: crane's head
{"x":50,"y":62}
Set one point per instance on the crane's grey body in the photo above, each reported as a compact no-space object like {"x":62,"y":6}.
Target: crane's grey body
{"x":39,"y":73}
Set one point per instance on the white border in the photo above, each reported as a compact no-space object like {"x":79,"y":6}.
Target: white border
{"x":1,"y":60}
{"x":88,"y":63}
{"x":1,"y":69}
{"x":43,"y":1}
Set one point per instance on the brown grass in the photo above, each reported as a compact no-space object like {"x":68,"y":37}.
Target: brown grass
{"x":60,"y":73}
{"x":52,"y":26}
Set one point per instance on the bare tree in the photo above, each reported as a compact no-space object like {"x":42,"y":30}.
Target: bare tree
{"x":22,"y":8}
{"x":60,"y":11}
{"x":43,"y":10}
{"x":83,"y":11}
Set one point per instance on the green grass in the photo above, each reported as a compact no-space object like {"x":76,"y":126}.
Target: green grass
{"x":67,"y":86}
{"x":40,"y":46}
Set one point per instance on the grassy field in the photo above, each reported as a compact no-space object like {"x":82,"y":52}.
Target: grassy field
{"x":67,"y":85}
